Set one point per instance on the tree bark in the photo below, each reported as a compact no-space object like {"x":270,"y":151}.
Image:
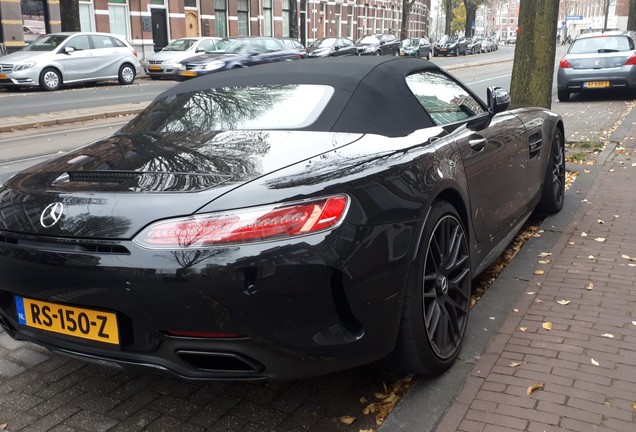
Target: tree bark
{"x":293,"y":19}
{"x":448,"y":10}
{"x":471,"y":13}
{"x":406,"y":12}
{"x":533,"y":66}
{"x":631,"y":16}
{"x":69,"y":11}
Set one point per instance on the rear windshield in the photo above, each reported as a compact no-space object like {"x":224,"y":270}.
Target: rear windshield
{"x":601,"y":44}
{"x":234,"y":108}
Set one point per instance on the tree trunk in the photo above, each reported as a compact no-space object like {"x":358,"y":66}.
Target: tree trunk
{"x":631,"y":16}
{"x":293,"y":19}
{"x":471,"y":14}
{"x":533,"y":66}
{"x":448,"y":10}
{"x":69,"y":11}
{"x":406,"y":12}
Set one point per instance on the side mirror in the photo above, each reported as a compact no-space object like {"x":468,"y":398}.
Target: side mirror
{"x":498,"y":99}
{"x":199,"y":49}
{"x":68,"y":50}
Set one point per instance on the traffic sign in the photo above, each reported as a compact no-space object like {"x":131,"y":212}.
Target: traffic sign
{"x":574,"y":17}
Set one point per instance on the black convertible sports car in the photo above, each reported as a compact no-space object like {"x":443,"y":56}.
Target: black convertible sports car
{"x":289,"y":220}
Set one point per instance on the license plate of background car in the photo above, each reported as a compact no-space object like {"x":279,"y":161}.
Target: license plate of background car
{"x":3,"y":76}
{"x":73,"y":321}
{"x":596,"y":84}
{"x":187,"y":73}
{"x":154,"y":68}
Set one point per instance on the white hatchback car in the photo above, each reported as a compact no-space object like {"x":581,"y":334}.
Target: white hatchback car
{"x":166,"y":62}
{"x":71,"y":57}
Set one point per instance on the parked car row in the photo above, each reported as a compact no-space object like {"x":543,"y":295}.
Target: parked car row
{"x":457,"y":45}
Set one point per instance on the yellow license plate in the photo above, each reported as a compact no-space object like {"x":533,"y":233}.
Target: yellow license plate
{"x":73,"y":321}
{"x":3,"y":76}
{"x":442,"y":49}
{"x":596,"y":84}
{"x":154,"y":67}
{"x":188,"y":73}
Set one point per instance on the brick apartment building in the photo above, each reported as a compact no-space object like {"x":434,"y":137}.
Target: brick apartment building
{"x":151,"y":24}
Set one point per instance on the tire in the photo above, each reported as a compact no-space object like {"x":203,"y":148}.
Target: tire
{"x":126,"y":74}
{"x":553,"y":193}
{"x":50,"y":79}
{"x":563,"y":95}
{"x":437,"y":299}
{"x":377,"y":53}
{"x":428,"y":55}
{"x":418,"y":54}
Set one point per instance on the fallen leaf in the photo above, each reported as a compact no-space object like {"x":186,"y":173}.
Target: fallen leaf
{"x":515,"y":364}
{"x":589,"y":286}
{"x":523,"y":329}
{"x":563,"y":302}
{"x":544,"y":261}
{"x":612,"y":170}
{"x":600,"y":239}
{"x":600,"y":221}
{"x":547,"y":325}
{"x":628,"y":258}
{"x":347,"y":420}
{"x":533,"y":387}
{"x":595,"y":363}
{"x":539,"y":301}
{"x":634,"y":405}
{"x":364,"y":400}
{"x":583,"y":234}
{"x":634,"y":322}
{"x":3,"y":426}
{"x":591,"y":257}
{"x":608,"y":335}
{"x":515,"y":310}
{"x":587,"y":171}
{"x":571,"y":243}
{"x":544,"y":254}
{"x":369,"y":409}
{"x":531,"y":293}
{"x":539,"y":272}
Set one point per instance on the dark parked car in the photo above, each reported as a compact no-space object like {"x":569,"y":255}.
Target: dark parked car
{"x":235,"y":53}
{"x":596,"y":62}
{"x":450,"y":45}
{"x":295,"y":45}
{"x":379,"y":44}
{"x":277,"y":221}
{"x":416,"y":47}
{"x":166,"y":63}
{"x":331,"y":47}
{"x":473,"y":45}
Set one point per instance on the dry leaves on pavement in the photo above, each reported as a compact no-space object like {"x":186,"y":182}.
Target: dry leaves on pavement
{"x":547,"y":325}
{"x":533,"y":387}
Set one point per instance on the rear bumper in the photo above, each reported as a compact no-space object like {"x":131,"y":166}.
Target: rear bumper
{"x":574,"y":79}
{"x":275,"y":310}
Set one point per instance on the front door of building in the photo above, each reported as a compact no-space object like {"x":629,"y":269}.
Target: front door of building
{"x":159,"y":29}
{"x":192,"y":24}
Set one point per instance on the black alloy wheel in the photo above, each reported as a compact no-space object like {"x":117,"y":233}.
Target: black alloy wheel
{"x":553,"y":193}
{"x":437,"y":302}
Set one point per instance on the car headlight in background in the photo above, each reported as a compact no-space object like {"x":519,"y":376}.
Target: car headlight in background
{"x":271,"y":222}
{"x":214,"y":65}
{"x":24,"y":66}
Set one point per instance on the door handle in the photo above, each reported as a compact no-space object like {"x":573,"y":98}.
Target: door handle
{"x":477,"y":144}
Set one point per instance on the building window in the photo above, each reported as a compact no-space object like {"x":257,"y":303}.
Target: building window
{"x":286,"y":18}
{"x":267,"y":18}
{"x":220,"y":17}
{"x":243,"y":18}
{"x":87,"y":20}
{"x":190,"y":3}
{"x":118,"y":17}
{"x":339,"y":20}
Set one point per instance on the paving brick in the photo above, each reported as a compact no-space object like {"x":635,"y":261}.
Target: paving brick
{"x":136,"y":422}
{"x":170,"y":424}
{"x":466,"y":426}
{"x":528,"y":414}
{"x":453,"y":417}
{"x":89,"y":420}
{"x":28,"y":356}
{"x":497,"y":420}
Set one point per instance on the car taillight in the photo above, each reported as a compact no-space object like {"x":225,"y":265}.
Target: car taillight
{"x":135,"y":53}
{"x":631,"y":60}
{"x":564,"y":64}
{"x":245,"y":225}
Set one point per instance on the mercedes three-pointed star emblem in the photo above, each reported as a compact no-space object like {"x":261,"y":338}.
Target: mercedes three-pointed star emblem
{"x":51,"y":214}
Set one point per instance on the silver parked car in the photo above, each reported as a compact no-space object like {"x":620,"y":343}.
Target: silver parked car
{"x":166,"y":62}
{"x":72,"y":57}
{"x":598,"y":61}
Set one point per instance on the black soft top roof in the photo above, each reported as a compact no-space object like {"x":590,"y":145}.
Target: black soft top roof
{"x":371,"y":95}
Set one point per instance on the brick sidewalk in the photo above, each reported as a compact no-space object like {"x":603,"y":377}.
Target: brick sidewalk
{"x":587,"y":361}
